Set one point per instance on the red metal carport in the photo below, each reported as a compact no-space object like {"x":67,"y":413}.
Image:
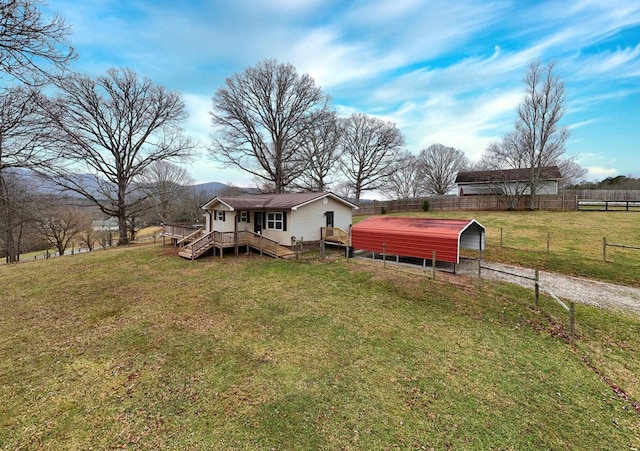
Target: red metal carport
{"x":418,"y":237}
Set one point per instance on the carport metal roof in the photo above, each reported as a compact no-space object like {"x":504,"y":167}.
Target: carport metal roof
{"x":418,"y":237}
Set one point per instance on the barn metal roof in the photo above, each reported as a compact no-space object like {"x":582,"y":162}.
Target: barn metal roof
{"x":418,"y":237}
{"x":508,"y":175}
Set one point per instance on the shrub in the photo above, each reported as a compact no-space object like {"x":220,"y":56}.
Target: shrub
{"x":425,"y":205}
{"x":383,"y":211}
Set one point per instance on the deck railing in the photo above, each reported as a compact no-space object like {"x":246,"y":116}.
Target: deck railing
{"x":263,"y":243}
{"x":228,"y":238}
{"x":179,"y":231}
{"x":334,"y":234}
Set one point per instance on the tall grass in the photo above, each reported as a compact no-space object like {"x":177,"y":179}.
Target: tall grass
{"x":137,"y":348}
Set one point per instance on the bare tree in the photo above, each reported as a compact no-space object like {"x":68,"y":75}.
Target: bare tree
{"x":27,"y":39}
{"x":22,"y":134}
{"x":60,"y":225}
{"x":405,"y":179}
{"x":439,"y":166}
{"x":260,"y":119}
{"x":112,"y":128}
{"x":538,"y":140}
{"x":320,"y":147}
{"x":540,"y":135}
{"x":17,"y":212}
{"x":89,"y":235}
{"x":572,"y":172}
{"x":370,"y":148}
{"x":165,"y":184}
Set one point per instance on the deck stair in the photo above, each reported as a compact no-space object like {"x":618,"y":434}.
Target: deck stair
{"x":198,"y":247}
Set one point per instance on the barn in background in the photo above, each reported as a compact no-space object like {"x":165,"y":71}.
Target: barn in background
{"x":418,"y":237}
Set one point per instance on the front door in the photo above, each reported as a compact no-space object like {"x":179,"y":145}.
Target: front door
{"x":329,"y":215}
{"x":257,"y":222}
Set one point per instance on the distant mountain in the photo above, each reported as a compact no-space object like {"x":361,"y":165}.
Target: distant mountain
{"x":215,"y":188}
{"x":211,"y":187}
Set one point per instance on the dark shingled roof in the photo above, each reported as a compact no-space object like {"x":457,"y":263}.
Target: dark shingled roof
{"x":274,"y":201}
{"x":508,"y":175}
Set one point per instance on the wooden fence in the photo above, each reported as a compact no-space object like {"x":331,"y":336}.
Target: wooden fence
{"x":560,"y":202}
{"x":605,"y":194}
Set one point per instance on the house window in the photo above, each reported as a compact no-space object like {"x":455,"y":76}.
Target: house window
{"x":275,"y":221}
{"x":244,"y":216}
{"x":219,"y":215}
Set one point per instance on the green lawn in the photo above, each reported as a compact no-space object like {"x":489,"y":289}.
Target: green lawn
{"x":136,"y":348}
{"x":575,"y":241}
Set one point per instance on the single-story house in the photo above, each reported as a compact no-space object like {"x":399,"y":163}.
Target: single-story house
{"x":279,"y":217}
{"x":508,"y":181}
{"x":270,"y":223}
{"x":418,"y":237}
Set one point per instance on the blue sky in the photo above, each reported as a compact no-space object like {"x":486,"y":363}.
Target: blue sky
{"x":444,"y":71}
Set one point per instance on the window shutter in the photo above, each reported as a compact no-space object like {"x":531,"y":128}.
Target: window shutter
{"x":224,"y":216}
{"x":284,"y":221}
{"x":264,"y":219}
{"x":248,"y":216}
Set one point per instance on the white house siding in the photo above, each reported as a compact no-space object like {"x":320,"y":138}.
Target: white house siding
{"x":222,"y":226}
{"x":308,"y":219}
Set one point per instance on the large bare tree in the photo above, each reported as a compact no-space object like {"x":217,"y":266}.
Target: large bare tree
{"x":33,"y":48}
{"x":111,"y":129}
{"x":439,"y":166}
{"x":260,"y":120}
{"x":370,"y":148}
{"x":538,"y":139}
{"x":320,"y":147}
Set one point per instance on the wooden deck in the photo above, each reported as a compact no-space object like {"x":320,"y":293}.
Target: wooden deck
{"x":226,"y":240}
{"x":334,"y":235}
{"x":194,"y":242}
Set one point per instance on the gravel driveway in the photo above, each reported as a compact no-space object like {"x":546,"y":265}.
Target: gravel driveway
{"x":576,"y":289}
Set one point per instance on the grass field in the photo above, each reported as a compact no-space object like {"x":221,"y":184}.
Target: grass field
{"x":575,"y":241}
{"x":135,"y":348}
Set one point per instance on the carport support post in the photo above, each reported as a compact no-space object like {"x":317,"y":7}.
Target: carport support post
{"x":433,"y":264}
{"x":604,"y":249}
{"x":384,"y":255}
{"x":500,"y":238}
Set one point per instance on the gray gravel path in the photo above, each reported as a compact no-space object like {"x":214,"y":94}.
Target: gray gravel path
{"x":576,"y":289}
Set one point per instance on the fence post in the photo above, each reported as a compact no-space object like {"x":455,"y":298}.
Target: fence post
{"x":572,"y":323}
{"x":604,"y":249}
{"x":548,"y":241}
{"x":537,"y":289}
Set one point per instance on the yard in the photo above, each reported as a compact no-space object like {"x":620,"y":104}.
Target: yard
{"x":136,"y":348}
